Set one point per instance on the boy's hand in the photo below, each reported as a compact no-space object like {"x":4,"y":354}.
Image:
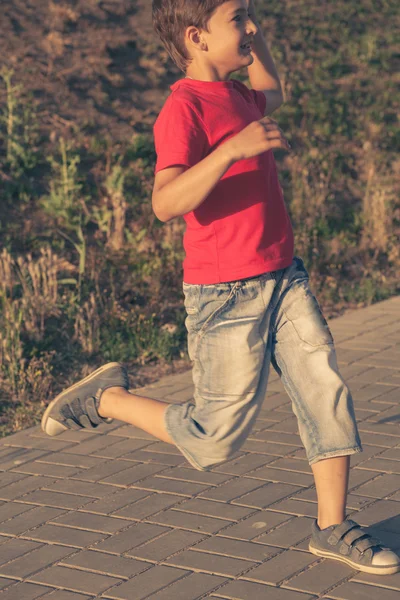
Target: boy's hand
{"x":256,"y":138}
{"x":252,"y":12}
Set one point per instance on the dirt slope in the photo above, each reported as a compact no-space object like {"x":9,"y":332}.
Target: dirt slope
{"x":93,"y":63}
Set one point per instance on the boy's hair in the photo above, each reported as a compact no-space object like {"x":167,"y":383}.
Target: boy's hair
{"x":171,"y":19}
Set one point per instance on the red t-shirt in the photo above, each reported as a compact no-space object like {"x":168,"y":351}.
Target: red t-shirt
{"x":242,"y":228}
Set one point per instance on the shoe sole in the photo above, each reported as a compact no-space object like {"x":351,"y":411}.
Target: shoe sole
{"x":364,"y":568}
{"x":52,"y":404}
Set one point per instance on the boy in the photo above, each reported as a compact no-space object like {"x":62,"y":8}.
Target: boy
{"x":247,"y":297}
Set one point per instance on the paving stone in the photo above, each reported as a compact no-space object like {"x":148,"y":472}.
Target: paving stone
{"x":12,"y":509}
{"x":29,"y":519}
{"x":161,"y":484}
{"x":359,"y":477}
{"x":296,"y":507}
{"x":80,"y":488}
{"x":378,"y":439}
{"x":155,"y":458}
{"x":270,"y":448}
{"x":190,"y":588}
{"x":244,"y":464}
{"x":24,"y":591}
{"x":120,"y":448}
{"x":267,"y":495}
{"x":197,"y":523}
{"x":148,"y":506}
{"x":214,"y":564}
{"x":8,"y":477}
{"x":289,"y":533}
{"x":231,"y":489}
{"x":381,"y":464}
{"x":129,"y":431}
{"x":89,"y":522}
{"x":14,"y":548}
{"x":130,"y":538}
{"x":19,"y":457}
{"x":106,"y":469}
{"x":254,"y":526}
{"x":281,"y":476}
{"x":172,"y":542}
{"x":36,"y":560}
{"x":24,"y":485}
{"x":49,"y":470}
{"x":320,"y":577}
{"x":56,"y":499}
{"x":94,"y":444}
{"x":4,"y":583}
{"x":251,"y":551}
{"x":165,"y":448}
{"x":281,"y":567}
{"x":195,"y":476}
{"x":380,"y":487}
{"x":243,"y":590}
{"x":75,"y":580}
{"x":379,"y":511}
{"x":66,"y":536}
{"x":215,"y":509}
{"x":271,"y":435}
{"x":133,"y":474}
{"x":65,"y":595}
{"x":116,"y":501}
{"x":392,"y":453}
{"x":106,"y":564}
{"x":292,"y":464}
{"x":147,"y":583}
{"x":71,"y":460}
{"x":389,"y":581}
{"x":37,"y":442}
{"x":359,"y":591}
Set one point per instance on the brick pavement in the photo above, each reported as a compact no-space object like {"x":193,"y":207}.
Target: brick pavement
{"x":117,"y":514}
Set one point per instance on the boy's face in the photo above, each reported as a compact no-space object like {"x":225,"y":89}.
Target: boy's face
{"x":221,"y":53}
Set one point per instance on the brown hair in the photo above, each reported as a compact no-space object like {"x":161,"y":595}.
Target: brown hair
{"x":171,"y":18}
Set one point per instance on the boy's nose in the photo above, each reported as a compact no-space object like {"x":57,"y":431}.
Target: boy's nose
{"x":252,"y":30}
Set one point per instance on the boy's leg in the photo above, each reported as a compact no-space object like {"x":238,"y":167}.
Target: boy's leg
{"x":305,"y":358}
{"x":145,"y":413}
{"x":100,"y":397}
{"x":331,"y":477}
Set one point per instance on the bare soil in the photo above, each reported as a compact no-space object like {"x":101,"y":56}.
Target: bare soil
{"x":96,"y":64}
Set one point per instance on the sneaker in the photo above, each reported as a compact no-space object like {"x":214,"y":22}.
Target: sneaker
{"x":77,"y":406}
{"x":351,"y":544}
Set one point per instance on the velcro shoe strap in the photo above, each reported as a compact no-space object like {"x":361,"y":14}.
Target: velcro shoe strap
{"x":94,"y":416}
{"x":341,"y":530}
{"x":351,"y":536}
{"x":366,"y":543}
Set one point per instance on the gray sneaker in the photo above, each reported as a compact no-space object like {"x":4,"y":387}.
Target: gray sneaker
{"x":351,"y":544}
{"x":77,"y":406}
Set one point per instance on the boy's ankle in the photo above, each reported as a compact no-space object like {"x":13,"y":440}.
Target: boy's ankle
{"x":108,"y":397}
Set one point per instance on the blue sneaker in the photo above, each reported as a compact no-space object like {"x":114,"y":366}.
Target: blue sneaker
{"x":350,"y":543}
{"x":77,"y":406}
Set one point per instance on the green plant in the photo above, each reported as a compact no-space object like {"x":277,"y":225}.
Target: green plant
{"x":65,"y":202}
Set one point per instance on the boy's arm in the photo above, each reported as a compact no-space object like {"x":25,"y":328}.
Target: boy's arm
{"x":262,"y":72}
{"x":189,"y":189}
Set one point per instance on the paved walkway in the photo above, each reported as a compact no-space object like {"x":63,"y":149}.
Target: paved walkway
{"x":116,"y":514}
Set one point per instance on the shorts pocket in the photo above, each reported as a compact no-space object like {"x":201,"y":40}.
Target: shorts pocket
{"x":305,"y":314}
{"x":191,"y":298}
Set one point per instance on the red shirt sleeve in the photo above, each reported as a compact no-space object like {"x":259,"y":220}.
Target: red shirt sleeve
{"x":180,"y":137}
{"x":256,"y":96}
{"x":260,"y":99}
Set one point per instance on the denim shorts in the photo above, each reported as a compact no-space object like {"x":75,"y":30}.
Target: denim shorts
{"x":235,"y":330}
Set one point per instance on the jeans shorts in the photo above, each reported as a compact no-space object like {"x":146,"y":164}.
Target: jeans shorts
{"x":235,"y":330}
